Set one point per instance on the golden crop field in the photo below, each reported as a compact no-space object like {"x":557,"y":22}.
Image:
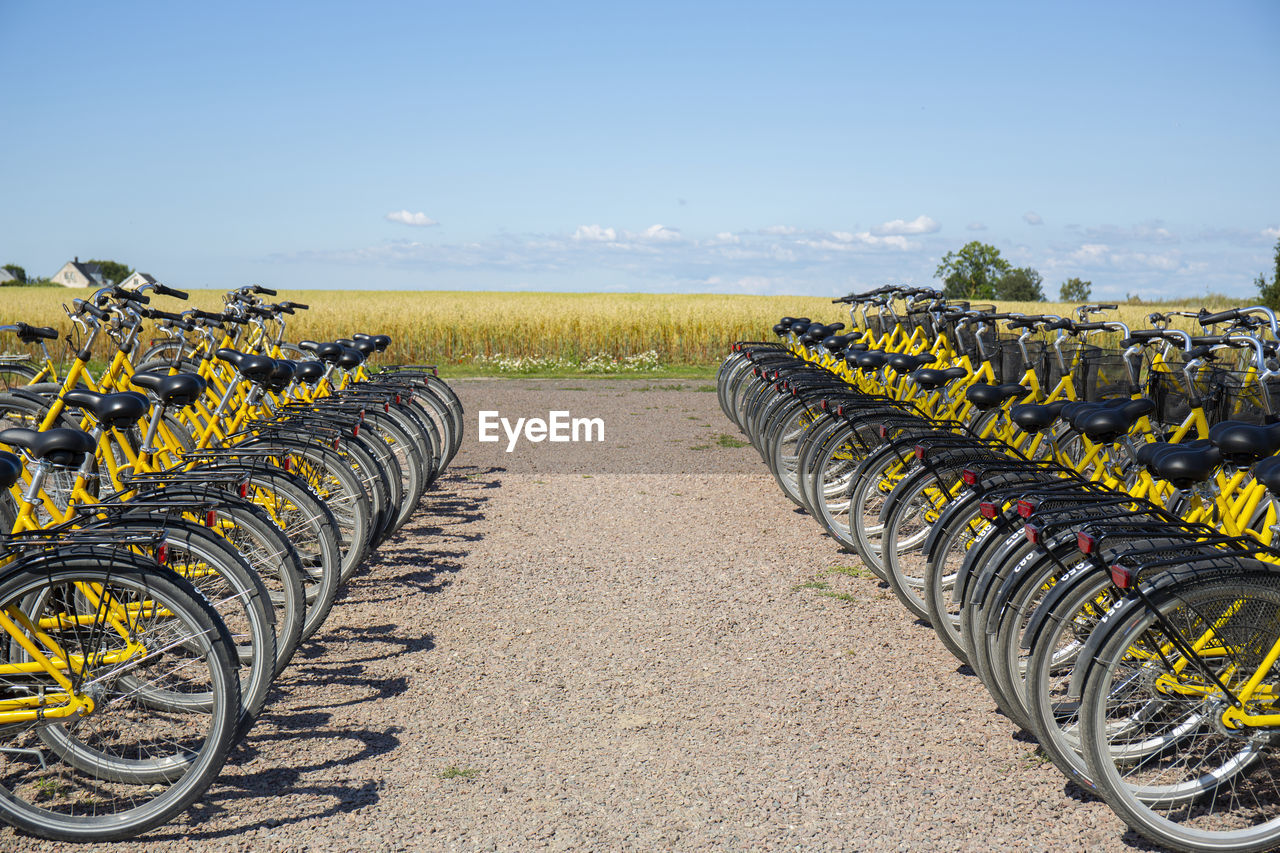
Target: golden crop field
{"x":544,"y":329}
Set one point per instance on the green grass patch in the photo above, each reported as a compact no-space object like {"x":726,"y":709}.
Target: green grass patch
{"x":818,"y":585}
{"x":455,"y":772}
{"x":730,"y":441}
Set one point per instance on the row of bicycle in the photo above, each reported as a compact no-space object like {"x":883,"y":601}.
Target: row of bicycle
{"x":182,"y":520}
{"x":1085,"y":513}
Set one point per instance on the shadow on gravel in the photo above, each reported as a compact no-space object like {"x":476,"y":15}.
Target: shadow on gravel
{"x":234,"y":796}
{"x":1137,"y":842}
{"x":294,"y":749}
{"x":1080,"y":794}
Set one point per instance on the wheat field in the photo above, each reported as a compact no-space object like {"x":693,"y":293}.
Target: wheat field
{"x":473,"y":329}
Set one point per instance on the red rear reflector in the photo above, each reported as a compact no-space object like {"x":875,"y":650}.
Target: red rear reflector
{"x":824,"y":404}
{"x":210,"y":518}
{"x":1026,"y":508}
{"x":355,"y":430}
{"x":1086,"y":543}
{"x":1032,"y":532}
{"x":988,"y":509}
{"x":162,"y":553}
{"x":244,"y":489}
{"x":335,"y":443}
{"x":920,"y":451}
{"x":884,"y":431}
{"x":840,"y":410}
{"x":1121,"y":577}
{"x":969,"y":476}
{"x":287,"y":463}
{"x":386,"y":405}
{"x":397,"y":399}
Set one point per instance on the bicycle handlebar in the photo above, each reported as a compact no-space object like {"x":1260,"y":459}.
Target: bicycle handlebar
{"x":166,"y":290}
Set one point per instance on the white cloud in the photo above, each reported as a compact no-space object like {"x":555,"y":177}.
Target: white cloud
{"x":404,"y":217}
{"x":1271,"y":233}
{"x":1032,"y":218}
{"x":919,"y":225}
{"x":1102,"y":256}
{"x":741,"y":261}
{"x":975,"y":226}
{"x":848,"y":240}
{"x":661,"y":234}
{"x":780,"y":229}
{"x":595,"y":234}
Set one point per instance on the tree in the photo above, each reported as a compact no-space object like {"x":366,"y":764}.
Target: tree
{"x":1269,"y":292}
{"x":18,"y":273}
{"x":1075,"y":290}
{"x":1020,"y":284}
{"x":972,"y":272}
{"x":113,"y":271}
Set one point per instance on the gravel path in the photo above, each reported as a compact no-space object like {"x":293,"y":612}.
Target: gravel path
{"x":638,"y":645}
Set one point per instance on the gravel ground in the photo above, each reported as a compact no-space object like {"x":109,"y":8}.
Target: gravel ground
{"x":634,"y":645}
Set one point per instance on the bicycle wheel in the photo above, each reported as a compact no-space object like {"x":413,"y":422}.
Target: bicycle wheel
{"x":146,"y":764}
{"x":260,"y":543}
{"x":287,"y":503}
{"x":1152,"y":722}
{"x":387,"y":435}
{"x":873,"y":482}
{"x":328,"y":474}
{"x":906,"y":519}
{"x":1065,"y":625}
{"x":962,"y":526}
{"x":16,"y":375}
{"x":237,"y":594}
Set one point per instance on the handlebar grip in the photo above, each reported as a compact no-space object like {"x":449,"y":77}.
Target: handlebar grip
{"x":166,"y":290}
{"x":257,"y":288}
{"x":31,"y":334}
{"x":1207,"y":319}
{"x":1090,"y":327}
{"x":1064,"y":323}
{"x":1107,"y":307}
{"x":131,"y":296}
{"x":1144,"y":335}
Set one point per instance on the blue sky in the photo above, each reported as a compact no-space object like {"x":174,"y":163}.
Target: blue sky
{"x":697,"y":147}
